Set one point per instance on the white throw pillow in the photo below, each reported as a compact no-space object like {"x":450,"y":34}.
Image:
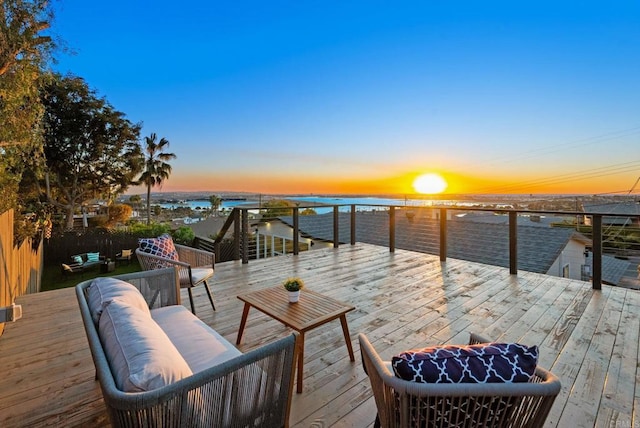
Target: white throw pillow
{"x":103,"y":290}
{"x":140,"y":354}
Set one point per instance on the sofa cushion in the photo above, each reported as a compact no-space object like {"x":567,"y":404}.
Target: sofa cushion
{"x":197,"y":275}
{"x":161,"y":246}
{"x":93,"y":257}
{"x":481,"y":363}
{"x":103,"y":290}
{"x":200,"y":346}
{"x":140,"y":354}
{"x":78,"y":260}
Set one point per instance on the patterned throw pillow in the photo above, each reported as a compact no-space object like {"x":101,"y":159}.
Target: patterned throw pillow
{"x":481,"y":363}
{"x":78,"y":260}
{"x":161,"y":246}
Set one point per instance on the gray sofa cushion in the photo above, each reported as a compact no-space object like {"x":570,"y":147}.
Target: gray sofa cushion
{"x":140,"y":354}
{"x":103,"y":290}
{"x":200,"y":346}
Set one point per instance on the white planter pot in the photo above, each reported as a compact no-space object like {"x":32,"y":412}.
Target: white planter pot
{"x":294,"y":296}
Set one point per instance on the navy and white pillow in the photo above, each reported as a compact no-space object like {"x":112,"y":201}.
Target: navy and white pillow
{"x":161,"y":246}
{"x":481,"y":363}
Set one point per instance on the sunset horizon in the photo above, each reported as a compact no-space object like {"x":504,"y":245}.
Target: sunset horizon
{"x":359,"y":98}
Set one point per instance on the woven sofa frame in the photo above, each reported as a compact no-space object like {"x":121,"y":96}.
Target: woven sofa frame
{"x":216,"y":396}
{"x":405,"y":404}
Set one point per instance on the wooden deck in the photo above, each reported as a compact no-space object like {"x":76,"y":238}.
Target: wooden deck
{"x":403,"y":300}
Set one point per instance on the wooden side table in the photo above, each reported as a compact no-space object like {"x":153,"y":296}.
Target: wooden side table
{"x":312,"y":310}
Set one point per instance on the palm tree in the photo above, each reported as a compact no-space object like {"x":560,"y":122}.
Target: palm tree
{"x":215,"y":201}
{"x":156,"y":168}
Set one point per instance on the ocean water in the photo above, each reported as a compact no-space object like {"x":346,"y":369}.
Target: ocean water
{"x":315,"y":202}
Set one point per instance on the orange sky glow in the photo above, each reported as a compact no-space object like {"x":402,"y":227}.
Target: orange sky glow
{"x":396,"y":184}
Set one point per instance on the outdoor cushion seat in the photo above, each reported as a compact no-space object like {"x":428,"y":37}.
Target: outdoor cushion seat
{"x":200,"y":346}
{"x":198,"y":275}
{"x":71,"y":268}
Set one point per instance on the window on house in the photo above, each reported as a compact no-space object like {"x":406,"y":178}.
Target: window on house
{"x":565,"y":271}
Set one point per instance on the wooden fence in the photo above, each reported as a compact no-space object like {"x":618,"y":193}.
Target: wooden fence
{"x":61,"y":247}
{"x":20,"y":267}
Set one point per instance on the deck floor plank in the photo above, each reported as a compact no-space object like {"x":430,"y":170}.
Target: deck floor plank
{"x":617,"y":403}
{"x":590,"y":339}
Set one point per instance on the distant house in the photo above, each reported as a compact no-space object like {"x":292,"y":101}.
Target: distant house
{"x":543,"y":249}
{"x":275,"y":238}
{"x":208,"y":227}
{"x":628,"y":207}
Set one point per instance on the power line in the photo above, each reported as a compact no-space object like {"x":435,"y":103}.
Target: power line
{"x":571,"y":145}
{"x":563,"y":178}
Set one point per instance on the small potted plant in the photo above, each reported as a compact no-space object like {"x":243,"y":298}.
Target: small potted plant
{"x":293,"y":286}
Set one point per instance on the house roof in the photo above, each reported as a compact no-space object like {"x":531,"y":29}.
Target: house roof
{"x":613,"y":269}
{"x":626,"y":207}
{"x":523,"y":220}
{"x":483,"y":242}
{"x":210,"y":227}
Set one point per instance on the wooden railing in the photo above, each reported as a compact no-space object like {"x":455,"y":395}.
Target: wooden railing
{"x":20,"y":267}
{"x":239,"y":218}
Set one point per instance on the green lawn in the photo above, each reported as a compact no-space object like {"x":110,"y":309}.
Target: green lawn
{"x":53,"y":279}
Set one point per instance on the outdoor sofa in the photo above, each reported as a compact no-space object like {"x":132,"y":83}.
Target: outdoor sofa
{"x":82,"y":262}
{"x":159,"y":365}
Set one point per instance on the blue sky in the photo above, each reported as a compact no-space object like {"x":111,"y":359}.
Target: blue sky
{"x":360,"y":97}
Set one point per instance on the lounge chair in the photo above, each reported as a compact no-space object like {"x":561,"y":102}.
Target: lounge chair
{"x":404,"y":403}
{"x":194,"y":266}
{"x":124,"y":256}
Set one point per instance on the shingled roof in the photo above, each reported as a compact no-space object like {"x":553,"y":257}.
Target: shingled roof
{"x":538,"y":247}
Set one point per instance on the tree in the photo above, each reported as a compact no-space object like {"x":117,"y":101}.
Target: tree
{"x":118,"y":213}
{"x":24,"y":54}
{"x":91,"y":149}
{"x":215,"y":201}
{"x":135,"y":200}
{"x":156,"y":166}
{"x":277,"y":208}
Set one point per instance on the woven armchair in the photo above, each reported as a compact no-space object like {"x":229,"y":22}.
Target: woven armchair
{"x":403,"y":403}
{"x":250,"y":390}
{"x":194,"y":266}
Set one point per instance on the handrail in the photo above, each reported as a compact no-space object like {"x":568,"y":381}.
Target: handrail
{"x":240,"y":219}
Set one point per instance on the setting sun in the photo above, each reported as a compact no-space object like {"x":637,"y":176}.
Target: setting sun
{"x":429,"y":183}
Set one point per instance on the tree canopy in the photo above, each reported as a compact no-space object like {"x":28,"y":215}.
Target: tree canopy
{"x":91,"y":149}
{"x":24,"y":53}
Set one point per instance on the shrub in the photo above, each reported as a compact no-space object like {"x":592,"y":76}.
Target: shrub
{"x":183,"y":235}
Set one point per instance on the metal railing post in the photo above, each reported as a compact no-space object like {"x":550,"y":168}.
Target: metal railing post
{"x":443,"y":234}
{"x":353,"y":225}
{"x":245,"y":237}
{"x":296,"y":231}
{"x":392,"y":229}
{"x":513,"y":242}
{"x":336,"y":229}
{"x":596,"y":280}
{"x":236,"y":235}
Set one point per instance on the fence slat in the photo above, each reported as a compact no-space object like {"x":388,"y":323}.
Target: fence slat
{"x":20,"y":267}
